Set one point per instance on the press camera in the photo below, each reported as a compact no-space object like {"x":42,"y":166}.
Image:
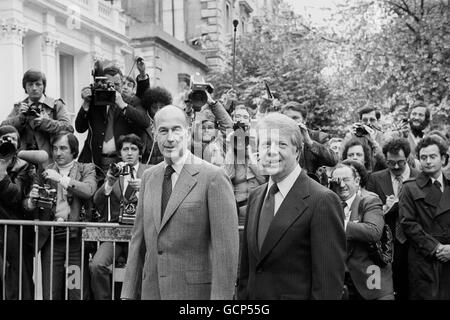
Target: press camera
{"x":120,"y":169}
{"x":335,"y":183}
{"x":46,"y":198}
{"x":7,"y":148}
{"x":103,"y":91}
{"x":199,"y":88}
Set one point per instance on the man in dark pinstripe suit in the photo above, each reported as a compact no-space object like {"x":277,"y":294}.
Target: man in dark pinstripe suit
{"x":294,"y":243}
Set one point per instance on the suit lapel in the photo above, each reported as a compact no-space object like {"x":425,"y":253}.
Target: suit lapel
{"x":154,"y":186}
{"x":186,"y":181}
{"x":290,"y":210}
{"x":444,"y":203}
{"x":354,"y":210}
{"x":255,"y":206}
{"x":386,"y":184}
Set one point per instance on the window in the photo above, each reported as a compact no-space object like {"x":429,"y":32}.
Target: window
{"x":227,"y":18}
{"x":173,"y":18}
{"x":66,"y":76}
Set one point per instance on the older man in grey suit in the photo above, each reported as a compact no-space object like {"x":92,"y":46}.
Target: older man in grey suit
{"x":185,"y":237}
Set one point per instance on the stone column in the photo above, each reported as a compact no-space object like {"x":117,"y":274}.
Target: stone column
{"x":49,"y":64}
{"x":11,"y":61}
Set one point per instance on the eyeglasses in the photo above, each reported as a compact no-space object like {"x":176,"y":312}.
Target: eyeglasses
{"x":392,"y":163}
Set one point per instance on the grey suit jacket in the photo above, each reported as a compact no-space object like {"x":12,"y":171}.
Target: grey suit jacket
{"x":193,"y":252}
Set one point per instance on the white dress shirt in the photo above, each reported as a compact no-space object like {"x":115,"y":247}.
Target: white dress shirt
{"x":441,"y":181}
{"x":405,"y":176}
{"x":348,"y":210}
{"x":177,"y":166}
{"x":284,"y":186}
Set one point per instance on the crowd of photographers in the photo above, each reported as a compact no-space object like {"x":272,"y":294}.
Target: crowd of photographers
{"x":44,"y":175}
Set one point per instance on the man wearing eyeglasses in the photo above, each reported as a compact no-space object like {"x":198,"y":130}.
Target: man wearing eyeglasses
{"x":387,"y":184}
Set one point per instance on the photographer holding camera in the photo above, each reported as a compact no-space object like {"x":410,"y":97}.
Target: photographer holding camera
{"x":16,"y":177}
{"x":240,"y":162}
{"x":61,"y":193}
{"x":117,"y":199}
{"x":106,"y":116}
{"x":38,"y":118}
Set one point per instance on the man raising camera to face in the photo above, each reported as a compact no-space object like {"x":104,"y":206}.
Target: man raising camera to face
{"x":115,"y":199}
{"x":106,"y":120}
{"x":38,"y":117}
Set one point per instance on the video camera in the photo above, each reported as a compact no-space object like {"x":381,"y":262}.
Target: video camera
{"x":360,"y":130}
{"x":103,"y":91}
{"x":47,"y":197}
{"x":7,"y":148}
{"x":197,"y":96}
{"x":120,"y":169}
{"x":335,"y":183}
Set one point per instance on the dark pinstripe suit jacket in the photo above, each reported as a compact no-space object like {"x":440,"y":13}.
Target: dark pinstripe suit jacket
{"x":303,"y":255}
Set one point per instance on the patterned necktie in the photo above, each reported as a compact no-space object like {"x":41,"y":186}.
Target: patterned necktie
{"x":109,"y":132}
{"x":166,"y":189}
{"x":346,"y":213}
{"x":399,"y":234}
{"x":399,"y":185}
{"x":267,"y":214}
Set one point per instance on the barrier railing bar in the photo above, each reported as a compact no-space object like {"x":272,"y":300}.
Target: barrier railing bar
{"x":20,"y":260}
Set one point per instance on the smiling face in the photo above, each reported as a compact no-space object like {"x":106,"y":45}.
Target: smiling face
{"x":172,"y":134}
{"x":278,"y":154}
{"x":349,"y":184}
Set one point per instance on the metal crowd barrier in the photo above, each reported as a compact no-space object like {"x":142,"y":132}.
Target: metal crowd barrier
{"x":97,"y":232}
{"x":91,"y":232}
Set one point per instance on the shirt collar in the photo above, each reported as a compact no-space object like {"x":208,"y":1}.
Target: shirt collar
{"x":286,"y":184}
{"x":440,"y":179}
{"x":178,"y":165}
{"x":350,"y":201}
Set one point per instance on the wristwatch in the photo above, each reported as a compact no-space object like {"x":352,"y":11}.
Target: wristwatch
{"x":213,"y":103}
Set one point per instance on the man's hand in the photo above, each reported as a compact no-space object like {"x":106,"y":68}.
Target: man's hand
{"x":390,"y":201}
{"x":86,"y":94}
{"x":119,"y":101}
{"x":228,"y":98}
{"x":140,"y":64}
{"x":4,"y":163}
{"x":135,"y":184}
{"x":23,"y":108}
{"x":110,"y":178}
{"x":305,"y":133}
{"x":443,"y":252}
{"x":52,"y":175}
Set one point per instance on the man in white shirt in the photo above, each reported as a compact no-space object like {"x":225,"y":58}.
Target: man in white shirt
{"x":424,"y":209}
{"x":294,"y":240}
{"x":120,"y":190}
{"x":185,"y":239}
{"x":363,"y":224}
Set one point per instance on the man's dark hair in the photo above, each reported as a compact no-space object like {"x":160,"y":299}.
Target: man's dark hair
{"x":369,"y":110}
{"x":33,"y":75}
{"x":367,"y":152}
{"x":395,"y":145}
{"x":156,"y":95}
{"x":5,"y":129}
{"x":112,"y":71}
{"x":130,"y":79}
{"x":429,"y":141}
{"x":130,"y":138}
{"x":295,"y":106}
{"x":71,"y":139}
{"x":360,"y":169}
